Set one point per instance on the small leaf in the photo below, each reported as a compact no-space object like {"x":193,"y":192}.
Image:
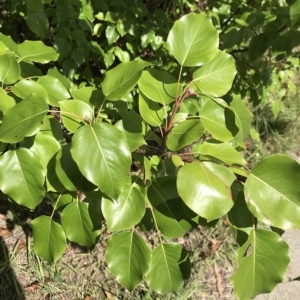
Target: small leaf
{"x":111,"y":34}
{"x":122,"y":79}
{"x":22,"y":177}
{"x":203,"y":192}
{"x":128,"y":209}
{"x":81,"y":224}
{"x":193,"y":40}
{"x":6,"y":101}
{"x":272,"y":187}
{"x":185,"y":133}
{"x":263,"y":268}
{"x":170,"y":265}
{"x":9,"y":68}
{"x":38,"y":23}
{"x":25,"y":88}
{"x":214,"y":79}
{"x":89,"y":95}
{"x":75,"y":113}
{"x":258,"y":46}
{"x":111,"y":158}
{"x":23,"y":119}
{"x":128,"y":258}
{"x":49,"y":240}
{"x":37,"y":51}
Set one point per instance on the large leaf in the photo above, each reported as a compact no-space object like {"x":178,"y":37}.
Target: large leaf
{"x":272,"y":191}
{"x":203,"y":191}
{"x":169,"y":210}
{"x":37,"y":51}
{"x":152,"y":112}
{"x":75,"y":113}
{"x":193,"y":40}
{"x":23,"y":119}
{"x":170,"y":265}
{"x":159,"y":86}
{"x":38,"y":23}
{"x":128,"y":258}
{"x":122,"y":79}
{"x":219,"y":121}
{"x":261,"y":270}
{"x":128,"y":209}
{"x":49,"y":240}
{"x":258,"y":46}
{"x":26,"y":87}
{"x":55,"y":89}
{"x":9,"y":68}
{"x":214,"y":79}
{"x":103,"y":156}
{"x":89,"y":95}
{"x":185,"y":133}
{"x":22,"y":177}
{"x":81,"y":223}
{"x":221,"y":151}
{"x":6,"y":101}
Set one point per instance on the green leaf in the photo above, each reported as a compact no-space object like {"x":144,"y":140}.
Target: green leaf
{"x":152,"y":112}
{"x":9,"y":68}
{"x":28,"y":69}
{"x":38,"y":23}
{"x":9,"y":43}
{"x":37,"y":51}
{"x":258,"y":46}
{"x":23,"y":119}
{"x":272,"y":187}
{"x":215,"y":77}
{"x":111,"y":34}
{"x":132,"y":127}
{"x":159,"y":86}
{"x":89,"y":95}
{"x":75,"y":113}
{"x":6,"y":101}
{"x":122,"y":79}
{"x":22,"y":177}
{"x":263,"y":268}
{"x":169,"y":210}
{"x":81,"y":223}
{"x":51,"y":126}
{"x":295,"y":13}
{"x":128,"y":209}
{"x":185,"y":133}
{"x":221,"y":151}
{"x":218,"y":120}
{"x":128,"y":258}
{"x":25,"y":88}
{"x":203,"y":191}
{"x":55,"y":89}
{"x":193,"y":40}
{"x":169,"y":266}
{"x":103,"y":156}
{"x":34,"y":5}
{"x":49,"y":240}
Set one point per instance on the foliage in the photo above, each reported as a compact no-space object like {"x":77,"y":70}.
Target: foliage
{"x":148,"y":144}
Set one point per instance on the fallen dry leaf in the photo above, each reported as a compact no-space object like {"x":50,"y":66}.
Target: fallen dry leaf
{"x":89,"y":298}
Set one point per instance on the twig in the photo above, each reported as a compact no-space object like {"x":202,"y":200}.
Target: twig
{"x":219,"y":280}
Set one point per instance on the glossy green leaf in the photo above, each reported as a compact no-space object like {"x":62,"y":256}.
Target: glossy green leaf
{"x":23,"y":119}
{"x":37,"y":51}
{"x":122,"y":79}
{"x":168,"y":208}
{"x":63,"y":173}
{"x":38,"y":23}
{"x":111,"y":156}
{"x":219,"y":121}
{"x":21,"y":170}
{"x":159,"y":86}
{"x":51,"y":126}
{"x":60,"y":200}
{"x":203,"y":191}
{"x":128,"y":258}
{"x":111,"y":34}
{"x":55,"y":89}
{"x":152,"y":112}
{"x":221,"y":151}
{"x":272,"y":187}
{"x":49,"y":240}
{"x":81,"y":224}
{"x":6,"y":101}
{"x":132,"y":127}
{"x":89,"y":95}
{"x":75,"y":113}
{"x":9,"y":43}
{"x":9,"y":68}
{"x":173,"y":262}
{"x":185,"y":133}
{"x":193,"y":40}
{"x":128,"y":209}
{"x":25,"y":88}
{"x":214,"y":78}
{"x":264,"y":266}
